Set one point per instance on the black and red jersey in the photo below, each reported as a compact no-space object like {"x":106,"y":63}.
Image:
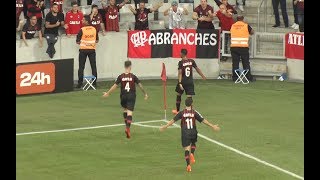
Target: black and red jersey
{"x":34,"y":10}
{"x":204,"y":12}
{"x":96,"y":21}
{"x":142,"y":19}
{"x":186,"y":67}
{"x":188,"y":119}
{"x":30,"y":30}
{"x":19,"y":9}
{"x":128,"y":83}
{"x":112,"y":18}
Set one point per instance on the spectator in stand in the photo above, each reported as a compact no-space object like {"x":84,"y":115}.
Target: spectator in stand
{"x":226,"y":21}
{"x":47,"y":7}
{"x":101,"y":5}
{"x":54,"y":20}
{"x":19,"y":14}
{"x":228,"y":6}
{"x":204,"y":14}
{"x":141,"y":15}
{"x":35,"y":7}
{"x":186,"y":1}
{"x":96,"y":19}
{"x":275,"y":5}
{"x":136,"y":3}
{"x":25,"y":8}
{"x":300,"y":14}
{"x":112,"y":18}
{"x":175,"y":16}
{"x":29,"y":30}
{"x":240,"y":4}
{"x":295,"y":25}
{"x":59,"y":3}
{"x":73,"y":20}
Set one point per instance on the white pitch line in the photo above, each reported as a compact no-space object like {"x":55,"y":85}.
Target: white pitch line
{"x":150,"y":126}
{"x":247,"y":155}
{"x":83,"y":128}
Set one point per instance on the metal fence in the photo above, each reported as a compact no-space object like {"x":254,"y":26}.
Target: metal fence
{"x":269,"y":45}
{"x":261,"y":45}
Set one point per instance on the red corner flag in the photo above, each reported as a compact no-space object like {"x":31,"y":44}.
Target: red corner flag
{"x":163,"y":73}
{"x":164,"y":81}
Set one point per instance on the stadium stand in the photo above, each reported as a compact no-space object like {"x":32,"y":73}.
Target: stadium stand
{"x":266,"y":46}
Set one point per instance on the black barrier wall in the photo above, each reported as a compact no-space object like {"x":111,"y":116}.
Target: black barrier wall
{"x":44,"y":77}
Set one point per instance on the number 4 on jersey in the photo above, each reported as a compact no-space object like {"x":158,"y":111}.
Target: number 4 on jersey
{"x":127,"y":87}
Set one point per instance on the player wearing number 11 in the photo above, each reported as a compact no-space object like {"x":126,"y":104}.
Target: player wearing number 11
{"x":127,"y":94}
{"x":189,"y":133}
{"x":185,"y":77}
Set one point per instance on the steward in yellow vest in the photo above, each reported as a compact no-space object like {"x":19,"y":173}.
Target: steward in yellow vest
{"x":87,"y":39}
{"x":240,"y":33}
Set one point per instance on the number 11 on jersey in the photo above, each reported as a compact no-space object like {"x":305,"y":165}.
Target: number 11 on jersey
{"x":189,"y":123}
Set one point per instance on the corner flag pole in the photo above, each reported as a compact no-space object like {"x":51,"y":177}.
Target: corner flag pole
{"x":164,"y":83}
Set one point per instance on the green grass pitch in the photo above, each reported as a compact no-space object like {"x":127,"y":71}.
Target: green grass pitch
{"x":264,"y":119}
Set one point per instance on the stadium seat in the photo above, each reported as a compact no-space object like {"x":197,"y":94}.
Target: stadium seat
{"x":156,"y":25}
{"x":241,"y":73}
{"x":86,"y":10}
{"x":89,"y":80}
{"x":191,"y":24}
{"x":123,"y":26}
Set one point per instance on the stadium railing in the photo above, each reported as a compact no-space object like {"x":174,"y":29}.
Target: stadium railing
{"x":263,"y":2}
{"x":261,"y":45}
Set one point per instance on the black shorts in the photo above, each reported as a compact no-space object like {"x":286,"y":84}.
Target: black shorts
{"x":188,"y":138}
{"x":128,"y":101}
{"x":189,"y":88}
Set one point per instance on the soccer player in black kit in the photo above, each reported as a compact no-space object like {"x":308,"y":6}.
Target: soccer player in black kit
{"x":127,"y":94}
{"x":185,"y":77}
{"x":189,"y":133}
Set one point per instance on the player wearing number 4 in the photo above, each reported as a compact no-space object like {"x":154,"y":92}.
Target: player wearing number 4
{"x":127,"y":94}
{"x":185,"y":77}
{"x":189,"y":133}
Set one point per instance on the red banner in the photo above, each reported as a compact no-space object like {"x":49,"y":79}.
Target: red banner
{"x":137,"y":44}
{"x":295,"y":46}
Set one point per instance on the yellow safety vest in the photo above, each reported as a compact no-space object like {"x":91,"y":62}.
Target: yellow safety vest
{"x":239,"y":34}
{"x":88,"y":39}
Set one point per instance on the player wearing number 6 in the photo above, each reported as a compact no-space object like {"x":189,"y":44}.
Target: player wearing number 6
{"x":127,"y":94}
{"x":185,"y":77}
{"x":189,"y":133}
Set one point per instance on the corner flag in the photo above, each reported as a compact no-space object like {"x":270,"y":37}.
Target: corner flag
{"x":164,"y":82}
{"x":163,"y":73}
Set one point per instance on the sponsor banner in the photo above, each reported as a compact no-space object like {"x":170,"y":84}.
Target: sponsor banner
{"x":35,"y":78}
{"x":294,"y":48}
{"x":44,"y":77}
{"x":168,"y":43}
